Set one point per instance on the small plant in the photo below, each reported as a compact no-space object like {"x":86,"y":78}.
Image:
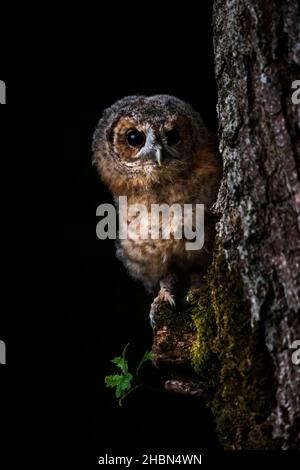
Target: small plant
{"x":125,"y":382}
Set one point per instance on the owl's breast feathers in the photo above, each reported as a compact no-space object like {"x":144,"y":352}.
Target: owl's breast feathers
{"x":150,"y":259}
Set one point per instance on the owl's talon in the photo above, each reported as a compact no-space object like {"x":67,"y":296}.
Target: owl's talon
{"x":153,"y":312}
{"x":152,"y":319}
{"x":164,"y":297}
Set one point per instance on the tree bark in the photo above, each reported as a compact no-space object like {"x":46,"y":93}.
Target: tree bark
{"x":243,"y":326}
{"x":257,"y":57}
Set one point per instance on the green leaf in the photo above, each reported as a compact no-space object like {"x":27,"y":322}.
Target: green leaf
{"x":124,"y":384}
{"x":122,"y":363}
{"x":121,"y":382}
{"x":112,"y":380}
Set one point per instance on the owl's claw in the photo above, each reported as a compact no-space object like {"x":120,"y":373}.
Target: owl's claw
{"x":152,"y":319}
{"x":164,"y":297}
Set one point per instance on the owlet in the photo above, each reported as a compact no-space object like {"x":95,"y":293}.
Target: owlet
{"x":158,"y":153}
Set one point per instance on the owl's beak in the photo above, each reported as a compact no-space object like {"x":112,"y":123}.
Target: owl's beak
{"x":158,"y":155}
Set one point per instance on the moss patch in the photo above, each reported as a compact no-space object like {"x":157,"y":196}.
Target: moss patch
{"x":230,"y":357}
{"x":174,"y":334}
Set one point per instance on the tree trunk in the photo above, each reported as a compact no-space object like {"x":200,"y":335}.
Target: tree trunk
{"x":242,"y":328}
{"x":257,"y":57}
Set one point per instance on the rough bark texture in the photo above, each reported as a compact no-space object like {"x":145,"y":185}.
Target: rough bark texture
{"x":241,"y":328}
{"x":257,"y":57}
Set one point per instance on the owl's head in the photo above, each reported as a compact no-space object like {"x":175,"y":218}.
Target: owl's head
{"x":142,"y":140}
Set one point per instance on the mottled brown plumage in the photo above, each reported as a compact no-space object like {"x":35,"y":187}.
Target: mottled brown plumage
{"x":189,"y":173}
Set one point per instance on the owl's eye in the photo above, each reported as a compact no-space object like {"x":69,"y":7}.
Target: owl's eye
{"x":135,"y":138}
{"x":172,"y":137}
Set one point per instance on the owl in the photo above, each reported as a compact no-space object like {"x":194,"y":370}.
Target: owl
{"x":156,"y":150}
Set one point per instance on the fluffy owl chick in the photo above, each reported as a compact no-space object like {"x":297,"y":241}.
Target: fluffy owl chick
{"x":157,"y":150}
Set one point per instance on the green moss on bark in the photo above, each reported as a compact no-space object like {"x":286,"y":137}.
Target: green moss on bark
{"x":174,"y":333}
{"x":230,"y":357}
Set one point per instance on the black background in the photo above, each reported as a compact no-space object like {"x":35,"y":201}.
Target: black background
{"x":105,"y":309}
{"x":71,"y":305}
{"x":68,"y":304}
